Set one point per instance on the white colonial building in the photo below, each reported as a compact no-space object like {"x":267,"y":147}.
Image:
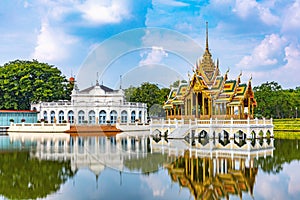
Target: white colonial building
{"x":97,"y":104}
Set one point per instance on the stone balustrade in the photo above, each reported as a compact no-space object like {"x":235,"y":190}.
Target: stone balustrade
{"x":39,"y":127}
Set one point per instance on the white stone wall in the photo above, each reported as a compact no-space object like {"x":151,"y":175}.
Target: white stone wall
{"x":95,"y":100}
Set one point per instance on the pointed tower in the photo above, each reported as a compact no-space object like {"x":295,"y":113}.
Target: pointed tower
{"x":205,"y":66}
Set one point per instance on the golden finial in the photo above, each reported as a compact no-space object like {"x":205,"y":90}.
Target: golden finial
{"x":207,"y":37}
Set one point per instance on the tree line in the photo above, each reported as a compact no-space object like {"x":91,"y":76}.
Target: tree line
{"x":24,"y":82}
{"x":275,"y":102}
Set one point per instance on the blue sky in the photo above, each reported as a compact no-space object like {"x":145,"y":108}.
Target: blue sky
{"x":259,"y":38}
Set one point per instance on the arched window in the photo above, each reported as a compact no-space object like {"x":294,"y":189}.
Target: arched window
{"x":124,"y":116}
{"x":80,"y":117}
{"x":133,"y":117}
{"x":140,"y":116}
{"x":45,"y":116}
{"x":92,"y":117}
{"x":113,"y":117}
{"x":102,"y":117}
{"x":61,"y":117}
{"x":52,"y":117}
{"x":71,"y":117}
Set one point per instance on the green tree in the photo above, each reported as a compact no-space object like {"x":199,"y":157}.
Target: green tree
{"x":24,"y":82}
{"x":147,"y":93}
{"x":275,"y":102}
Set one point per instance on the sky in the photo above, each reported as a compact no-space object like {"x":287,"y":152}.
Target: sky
{"x":127,"y":42}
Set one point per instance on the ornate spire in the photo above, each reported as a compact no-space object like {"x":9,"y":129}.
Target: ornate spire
{"x":239,"y":77}
{"x":120,"y":82}
{"x":97,"y":82}
{"x":206,"y":46}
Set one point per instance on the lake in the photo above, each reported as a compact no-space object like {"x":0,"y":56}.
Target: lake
{"x":127,"y":167}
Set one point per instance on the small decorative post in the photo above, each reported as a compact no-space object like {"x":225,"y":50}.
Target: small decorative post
{"x":11,"y":122}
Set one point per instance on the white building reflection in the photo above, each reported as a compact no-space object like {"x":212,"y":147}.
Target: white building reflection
{"x":209,"y":168}
{"x":94,"y":153}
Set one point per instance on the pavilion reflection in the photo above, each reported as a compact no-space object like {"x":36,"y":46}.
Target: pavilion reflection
{"x":214,"y":178}
{"x":213,"y":169}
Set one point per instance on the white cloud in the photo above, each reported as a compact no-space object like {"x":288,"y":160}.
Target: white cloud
{"x":184,"y":27}
{"x":243,"y":8}
{"x":53,"y":44}
{"x":171,"y":3}
{"x":266,"y":16}
{"x":268,"y":52}
{"x":294,"y":177}
{"x":93,"y":12}
{"x":104,"y":11}
{"x":285,"y":75}
{"x":26,"y":4}
{"x":157,"y":183}
{"x":291,"y":20}
{"x":250,"y":7}
{"x":155,"y":56}
{"x":273,"y":186}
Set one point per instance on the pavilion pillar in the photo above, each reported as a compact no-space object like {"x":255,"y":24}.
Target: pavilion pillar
{"x":210,"y":167}
{"x":188,"y":111}
{"x":249,"y":104}
{"x":174,"y":111}
{"x":186,"y":165}
{"x":192,"y":169}
{"x":209,"y":108}
{"x":204,"y":169}
{"x":186,"y":106}
{"x":203,"y":105}
{"x":192,"y":102}
{"x":243,"y":108}
{"x":197,"y":102}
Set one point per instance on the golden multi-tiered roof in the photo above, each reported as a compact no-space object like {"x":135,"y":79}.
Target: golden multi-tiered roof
{"x":210,"y":178}
{"x":209,"y":94}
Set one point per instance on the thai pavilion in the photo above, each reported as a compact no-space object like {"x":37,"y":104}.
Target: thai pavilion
{"x":209,"y":94}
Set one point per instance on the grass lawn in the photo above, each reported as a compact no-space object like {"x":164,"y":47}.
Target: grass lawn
{"x":287,"y":128}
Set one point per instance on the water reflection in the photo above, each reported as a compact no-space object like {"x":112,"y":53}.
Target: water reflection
{"x":208,"y":169}
{"x":25,"y":177}
{"x":215,"y":169}
{"x":214,"y":178}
